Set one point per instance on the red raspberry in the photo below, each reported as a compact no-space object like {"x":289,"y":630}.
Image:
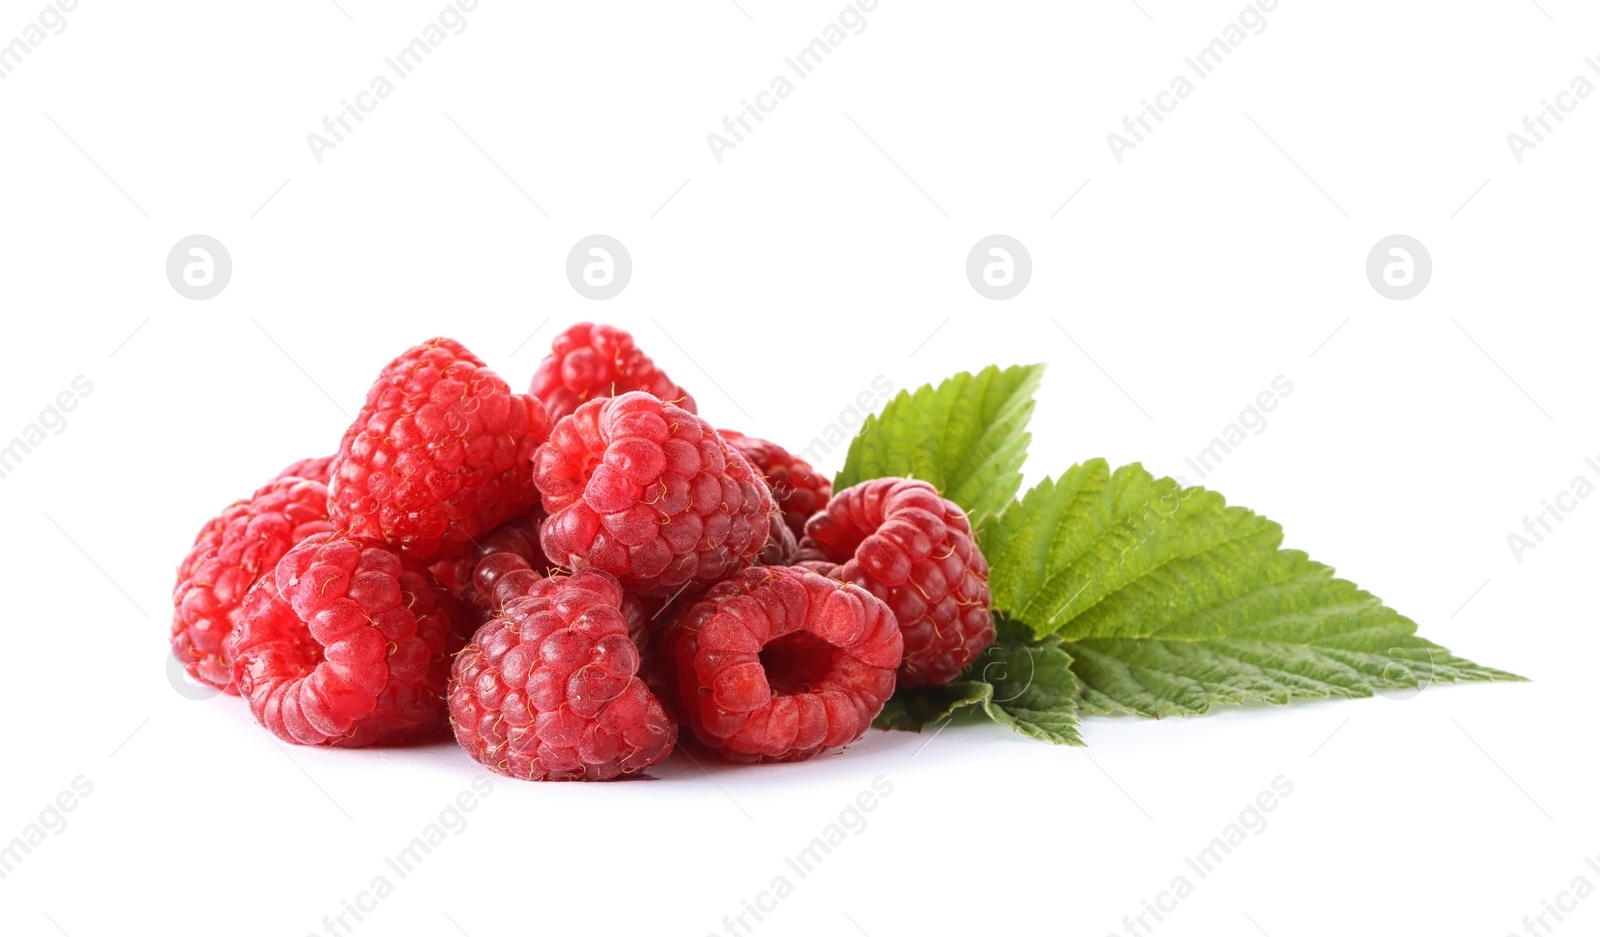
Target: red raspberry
{"x":319,"y":469}
{"x":649,"y":493}
{"x":549,"y":691}
{"x":440,"y":454}
{"x":345,"y":644}
{"x":230,"y":553}
{"x":782,"y":548}
{"x":798,"y":488}
{"x":779,"y":663}
{"x":507,"y":563}
{"x":590,"y":361}
{"x":512,"y":546}
{"x":914,"y":550}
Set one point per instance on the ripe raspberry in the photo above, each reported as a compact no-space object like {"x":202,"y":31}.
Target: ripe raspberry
{"x":439,"y":455}
{"x":319,"y":469}
{"x":508,"y":564}
{"x":549,"y":691}
{"x":229,"y":554}
{"x":649,"y":493}
{"x":798,"y":488}
{"x":590,"y":361}
{"x":914,"y":550}
{"x":782,"y":547}
{"x":779,"y":663}
{"x":345,"y":644}
{"x":512,"y":546}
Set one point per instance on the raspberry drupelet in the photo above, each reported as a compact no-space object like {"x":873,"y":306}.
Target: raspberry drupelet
{"x":319,"y":469}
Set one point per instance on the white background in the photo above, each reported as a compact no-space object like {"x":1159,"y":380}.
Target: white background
{"x":828,"y":248}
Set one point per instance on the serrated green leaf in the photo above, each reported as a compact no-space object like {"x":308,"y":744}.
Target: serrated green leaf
{"x":1169,"y":600}
{"x":911,"y":710}
{"x":1154,"y":678}
{"x":967,"y":436}
{"x":1027,"y":685}
{"x":1035,"y":691}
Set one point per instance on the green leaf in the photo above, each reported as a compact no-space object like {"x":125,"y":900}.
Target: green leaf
{"x":1155,"y":678}
{"x":1027,"y":685}
{"x":1169,"y":601}
{"x":967,"y":436}
{"x":1035,"y":691}
{"x":913,"y":709}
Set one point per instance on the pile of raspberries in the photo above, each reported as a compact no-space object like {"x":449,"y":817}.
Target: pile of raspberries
{"x":566,"y":577}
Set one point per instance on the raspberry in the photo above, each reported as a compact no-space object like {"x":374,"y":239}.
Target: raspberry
{"x":512,"y":546}
{"x":779,"y":663}
{"x":798,"y":488}
{"x":229,"y":554}
{"x":508,"y":566}
{"x":782,"y":547}
{"x":345,"y":644}
{"x":439,"y":454}
{"x":648,"y":492}
{"x":590,"y":361}
{"x":549,"y":691}
{"x":318,"y":470}
{"x":914,"y":550}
